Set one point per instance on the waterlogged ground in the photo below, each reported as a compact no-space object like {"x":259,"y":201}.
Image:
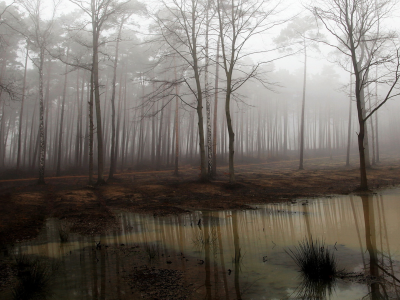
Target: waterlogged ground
{"x":226,"y":254}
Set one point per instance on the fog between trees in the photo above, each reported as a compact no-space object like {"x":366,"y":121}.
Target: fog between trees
{"x":118,"y":86}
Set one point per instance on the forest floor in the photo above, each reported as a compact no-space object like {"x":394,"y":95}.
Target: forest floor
{"x":25,"y":205}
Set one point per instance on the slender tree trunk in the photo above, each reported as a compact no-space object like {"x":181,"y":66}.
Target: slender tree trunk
{"x":285,"y":128}
{"x":32,"y":139}
{"x":231,"y":134}
{"x":301,"y":167}
{"x":60,"y":135}
{"x":199,"y":96}
{"x":41,"y":120}
{"x":141,"y":125}
{"x":22,"y":110}
{"x":113,"y":133}
{"x":91,"y":130}
{"x":208,"y":100}
{"x":376,"y":117}
{"x":215,"y":121}
{"x":168,"y":141}
{"x":95,"y":70}
{"x":124,"y":135}
{"x":366,"y":139}
{"x":117,"y":142}
{"x":349,"y":125}
{"x":363,"y":170}
{"x":158,"y":153}
{"x":372,"y":129}
{"x":47,"y":102}
{"x":176,"y":169}
{"x":78,"y":140}
{"x":2,"y":135}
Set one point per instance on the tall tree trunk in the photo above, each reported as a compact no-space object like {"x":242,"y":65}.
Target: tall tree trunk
{"x":117,"y":142}
{"x":22,"y":110}
{"x":363,"y":171}
{"x":124,"y":134}
{"x":199,"y":98}
{"x":2,"y":136}
{"x":41,"y":119}
{"x":285,"y":128}
{"x":231,"y":134}
{"x":99,"y":131}
{"x":176,"y":164}
{"x":372,"y":128}
{"x":366,"y":139}
{"x":47,"y":102}
{"x":208,"y":100}
{"x":91,"y":129}
{"x":301,"y":167}
{"x":78,"y":140}
{"x":141,"y":129}
{"x":349,"y":125}
{"x":376,"y":118}
{"x":214,"y":144}
{"x":113,"y":133}
{"x":60,"y":135}
{"x":32,"y":140}
{"x":158,"y":153}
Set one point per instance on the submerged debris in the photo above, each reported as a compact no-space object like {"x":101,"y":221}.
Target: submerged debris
{"x":155,"y":283}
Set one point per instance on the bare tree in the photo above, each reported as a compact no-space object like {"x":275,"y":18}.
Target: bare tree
{"x":355,"y":25}
{"x":300,"y":31}
{"x":238,"y":22}
{"x":99,"y":12}
{"x":181,"y":27}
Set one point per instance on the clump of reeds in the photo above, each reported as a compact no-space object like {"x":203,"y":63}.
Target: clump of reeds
{"x":318,"y":267}
{"x":315,"y":260}
{"x":33,"y":278}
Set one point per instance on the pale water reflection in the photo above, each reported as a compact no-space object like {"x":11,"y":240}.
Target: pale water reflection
{"x":236,"y":254}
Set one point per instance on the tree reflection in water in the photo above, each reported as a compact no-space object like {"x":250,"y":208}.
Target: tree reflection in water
{"x":234,"y":254}
{"x":382,"y":283}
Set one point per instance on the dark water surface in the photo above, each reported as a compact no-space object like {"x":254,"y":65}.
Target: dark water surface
{"x":231,"y":254}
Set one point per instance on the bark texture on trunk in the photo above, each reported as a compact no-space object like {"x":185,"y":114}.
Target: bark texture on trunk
{"x":41,"y":120}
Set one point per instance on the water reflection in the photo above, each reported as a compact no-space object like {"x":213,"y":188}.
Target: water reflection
{"x":234,"y":254}
{"x":383,"y":280}
{"x":315,"y":289}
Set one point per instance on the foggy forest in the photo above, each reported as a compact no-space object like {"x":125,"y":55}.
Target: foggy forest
{"x":206,"y":107}
{"x":94,"y":91}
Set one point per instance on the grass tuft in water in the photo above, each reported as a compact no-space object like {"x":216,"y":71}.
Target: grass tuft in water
{"x":314,"y":259}
{"x":33,"y":278}
{"x":318,"y":268}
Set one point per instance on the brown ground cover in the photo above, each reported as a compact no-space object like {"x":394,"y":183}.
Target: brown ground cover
{"x":25,"y":205}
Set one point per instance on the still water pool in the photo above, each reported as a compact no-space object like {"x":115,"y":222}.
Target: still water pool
{"x":231,"y":254}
